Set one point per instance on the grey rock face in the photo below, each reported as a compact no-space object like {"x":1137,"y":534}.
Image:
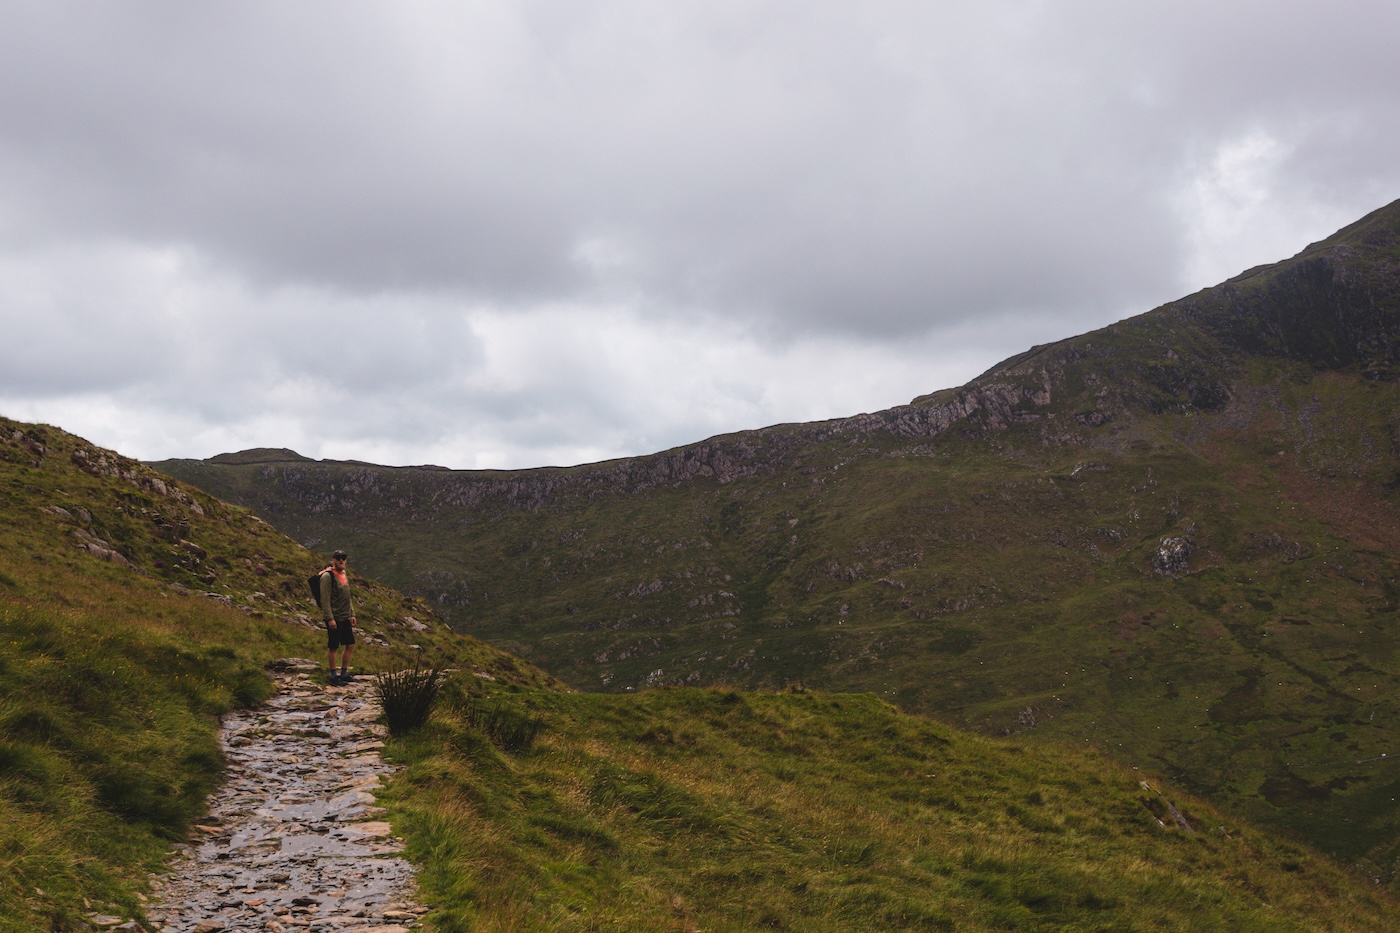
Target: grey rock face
{"x":294,"y":839}
{"x":1172,"y":556}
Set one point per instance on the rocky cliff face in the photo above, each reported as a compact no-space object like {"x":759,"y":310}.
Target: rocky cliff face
{"x":322,"y":488}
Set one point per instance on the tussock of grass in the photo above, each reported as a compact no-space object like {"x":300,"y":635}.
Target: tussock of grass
{"x":407,"y":696}
{"x":709,"y":810}
{"x":507,"y":726}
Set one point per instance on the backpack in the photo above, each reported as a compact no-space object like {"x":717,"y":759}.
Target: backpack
{"x":314,"y":582}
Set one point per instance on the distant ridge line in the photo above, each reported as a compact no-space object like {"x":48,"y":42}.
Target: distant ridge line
{"x":261,"y":455}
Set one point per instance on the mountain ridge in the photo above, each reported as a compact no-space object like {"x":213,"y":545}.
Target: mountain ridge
{"x":927,"y":416}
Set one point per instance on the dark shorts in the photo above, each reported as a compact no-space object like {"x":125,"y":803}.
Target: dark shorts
{"x":342,"y":634}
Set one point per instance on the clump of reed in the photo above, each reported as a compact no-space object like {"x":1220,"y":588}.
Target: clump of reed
{"x":509,"y":727}
{"x":407,"y":696}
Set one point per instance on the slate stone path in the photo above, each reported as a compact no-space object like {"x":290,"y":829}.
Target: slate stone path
{"x":294,"y":841}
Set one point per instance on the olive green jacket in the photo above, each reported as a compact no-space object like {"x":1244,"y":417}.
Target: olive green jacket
{"x":335,"y":598}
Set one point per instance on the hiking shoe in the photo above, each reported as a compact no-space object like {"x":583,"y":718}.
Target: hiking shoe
{"x":333,"y":680}
{"x":346,"y":678}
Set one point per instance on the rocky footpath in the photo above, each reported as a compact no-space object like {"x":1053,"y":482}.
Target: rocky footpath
{"x":294,"y":840}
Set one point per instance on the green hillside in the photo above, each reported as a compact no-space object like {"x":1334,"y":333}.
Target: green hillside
{"x":1172,"y":539}
{"x":676,"y":809}
{"x":693,"y":809}
{"x":133,"y":611}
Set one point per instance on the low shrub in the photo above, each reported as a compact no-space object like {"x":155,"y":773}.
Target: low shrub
{"x":408,"y":696}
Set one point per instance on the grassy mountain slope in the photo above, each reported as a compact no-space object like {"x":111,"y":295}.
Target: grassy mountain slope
{"x":703,"y":809}
{"x":132,"y":612}
{"x":672,"y":809}
{"x":1172,"y":539}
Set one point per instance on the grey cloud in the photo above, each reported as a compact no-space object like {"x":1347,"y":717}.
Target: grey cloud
{"x":194,"y":194}
{"x":813,"y":165}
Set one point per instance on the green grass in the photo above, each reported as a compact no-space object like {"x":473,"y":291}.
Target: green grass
{"x":699,"y":809}
{"x":108,"y":699}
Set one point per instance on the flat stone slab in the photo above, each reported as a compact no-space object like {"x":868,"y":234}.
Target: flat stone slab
{"x":292,"y":840}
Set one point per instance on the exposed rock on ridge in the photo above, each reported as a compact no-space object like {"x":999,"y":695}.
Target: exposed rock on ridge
{"x":1332,"y":305}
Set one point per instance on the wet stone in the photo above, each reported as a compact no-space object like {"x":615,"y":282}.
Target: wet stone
{"x":295,"y":815}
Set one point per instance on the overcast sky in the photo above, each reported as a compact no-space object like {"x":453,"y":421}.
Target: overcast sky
{"x":511,"y":234}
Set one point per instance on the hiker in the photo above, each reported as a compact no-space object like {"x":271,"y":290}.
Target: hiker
{"x":338,"y":612}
